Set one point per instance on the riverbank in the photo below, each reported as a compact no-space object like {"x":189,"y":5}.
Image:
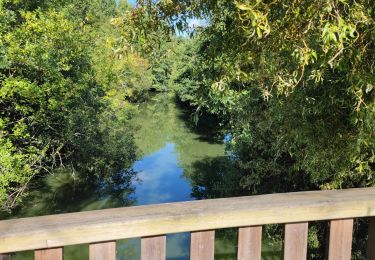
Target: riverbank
{"x":175,"y":163}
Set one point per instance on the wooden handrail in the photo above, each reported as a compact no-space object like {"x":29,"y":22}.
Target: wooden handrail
{"x":153,"y":220}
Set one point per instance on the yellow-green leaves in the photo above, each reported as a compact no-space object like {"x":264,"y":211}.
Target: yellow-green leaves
{"x":53,"y":108}
{"x":254,"y":21}
{"x":305,"y":55}
{"x":295,"y":80}
{"x":338,"y":34}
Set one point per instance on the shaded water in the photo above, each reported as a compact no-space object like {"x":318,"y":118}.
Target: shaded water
{"x":178,"y":162}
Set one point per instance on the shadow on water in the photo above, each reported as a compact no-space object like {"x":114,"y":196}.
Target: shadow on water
{"x":178,"y":160}
{"x":206,"y":126}
{"x":214,"y":177}
{"x":161,"y":121}
{"x":219,"y":177}
{"x":65,"y":192}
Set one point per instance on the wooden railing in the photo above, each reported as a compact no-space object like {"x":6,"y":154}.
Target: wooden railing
{"x":48,"y":235}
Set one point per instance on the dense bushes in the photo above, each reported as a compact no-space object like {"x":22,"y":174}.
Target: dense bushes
{"x":63,"y":92}
{"x":294,"y":83}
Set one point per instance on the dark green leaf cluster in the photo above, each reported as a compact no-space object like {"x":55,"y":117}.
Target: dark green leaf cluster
{"x":297,"y":85}
{"x":295,"y":81}
{"x":63,"y":92}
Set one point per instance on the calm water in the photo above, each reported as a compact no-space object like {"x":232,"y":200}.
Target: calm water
{"x":178,"y":162}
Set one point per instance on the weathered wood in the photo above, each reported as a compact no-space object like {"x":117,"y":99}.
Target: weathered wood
{"x":202,"y":245}
{"x":5,"y":257}
{"x":295,"y":241}
{"x":371,"y":240}
{"x":249,"y":243}
{"x":103,"y":251}
{"x":49,"y":254}
{"x":152,"y":220}
{"x":153,"y":248}
{"x":340,"y":239}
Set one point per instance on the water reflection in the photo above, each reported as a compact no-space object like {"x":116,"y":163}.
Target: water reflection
{"x":66,"y":192}
{"x":163,"y":121}
{"x":160,"y":178}
{"x":214,"y":177}
{"x":168,"y":148}
{"x":177,"y":162}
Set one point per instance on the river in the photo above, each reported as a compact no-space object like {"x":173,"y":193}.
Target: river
{"x":177,"y":162}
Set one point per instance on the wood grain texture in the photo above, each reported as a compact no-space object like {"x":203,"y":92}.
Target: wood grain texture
{"x":371,"y":240}
{"x":153,"y":248}
{"x":49,"y":254}
{"x":5,"y":257}
{"x":249,"y":243}
{"x":340,"y":239}
{"x":202,"y":245}
{"x":103,"y":251}
{"x":295,"y":241}
{"x":153,"y":220}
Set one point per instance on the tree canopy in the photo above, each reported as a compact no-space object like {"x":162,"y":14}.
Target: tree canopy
{"x":293,"y":83}
{"x":64,"y":92}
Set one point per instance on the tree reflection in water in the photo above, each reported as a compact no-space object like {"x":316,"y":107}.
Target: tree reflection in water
{"x":189,"y":161}
{"x":65,"y":192}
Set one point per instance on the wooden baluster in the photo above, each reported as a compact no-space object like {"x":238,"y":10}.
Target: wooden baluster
{"x":249,"y":243}
{"x":103,"y":251}
{"x":340,"y":239}
{"x":371,"y":240}
{"x":5,"y":257}
{"x":153,"y":248}
{"x":49,"y":254}
{"x":295,"y":241}
{"x":202,"y":245}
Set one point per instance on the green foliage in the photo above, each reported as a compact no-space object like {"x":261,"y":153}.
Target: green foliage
{"x":122,"y":7}
{"x":160,"y":63}
{"x":63,"y":93}
{"x":15,"y":168}
{"x":125,"y":76}
{"x":183,"y":76}
{"x":295,"y":82}
{"x":138,"y":39}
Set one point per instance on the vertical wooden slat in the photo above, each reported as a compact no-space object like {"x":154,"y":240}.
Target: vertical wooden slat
{"x":103,"y":251}
{"x":295,"y":241}
{"x":5,"y":257}
{"x":202,"y":245}
{"x":49,"y":254}
{"x":153,"y":248}
{"x":340,"y":239}
{"x":249,"y":243}
{"x":371,"y":240}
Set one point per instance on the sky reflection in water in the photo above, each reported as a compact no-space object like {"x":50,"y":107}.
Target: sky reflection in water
{"x":161,"y":178}
{"x":173,"y":158}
